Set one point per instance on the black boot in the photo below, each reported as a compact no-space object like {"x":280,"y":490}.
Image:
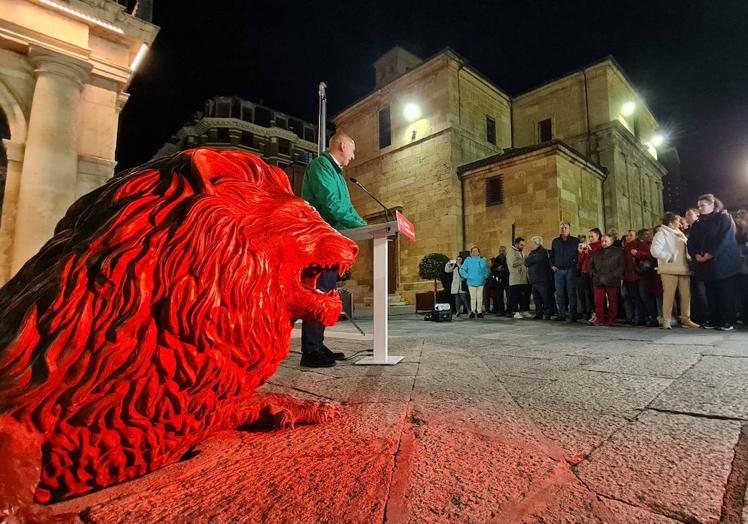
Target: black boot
{"x":316,"y":359}
{"x":335,"y":355}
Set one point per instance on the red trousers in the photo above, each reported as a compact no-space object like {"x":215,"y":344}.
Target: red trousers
{"x":612,"y":294}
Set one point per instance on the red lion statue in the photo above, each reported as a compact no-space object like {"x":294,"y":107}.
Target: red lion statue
{"x":164,"y":299}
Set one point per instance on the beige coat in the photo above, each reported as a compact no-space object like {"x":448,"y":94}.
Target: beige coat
{"x":669,"y":248}
{"x":517,"y":269}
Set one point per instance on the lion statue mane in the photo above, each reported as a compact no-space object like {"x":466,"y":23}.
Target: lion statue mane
{"x":164,"y":299}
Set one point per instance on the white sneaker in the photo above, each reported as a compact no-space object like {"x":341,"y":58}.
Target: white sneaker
{"x":527,"y":314}
{"x":518,"y":316}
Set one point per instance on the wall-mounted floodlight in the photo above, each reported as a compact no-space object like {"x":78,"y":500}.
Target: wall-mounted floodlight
{"x":658,"y":139}
{"x":139,"y":57}
{"x":412,"y":112}
{"x":628,"y":108}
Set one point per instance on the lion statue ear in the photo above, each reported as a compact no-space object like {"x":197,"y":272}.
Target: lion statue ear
{"x":215,"y":165}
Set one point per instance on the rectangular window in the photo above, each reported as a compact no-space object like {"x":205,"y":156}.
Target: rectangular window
{"x":296,"y":126}
{"x":246,"y":138}
{"x":262,"y":116}
{"x":247,"y":113}
{"x":281,"y":122}
{"x":236,"y":108}
{"x":495,"y":190}
{"x":223,"y":135}
{"x":385,"y":133}
{"x":223,"y":109}
{"x":545,"y":131}
{"x":310,"y":134}
{"x":490,"y":130}
{"x":284,"y":147}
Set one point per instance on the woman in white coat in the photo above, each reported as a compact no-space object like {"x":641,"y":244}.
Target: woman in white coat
{"x":458,"y":286}
{"x":669,"y":248}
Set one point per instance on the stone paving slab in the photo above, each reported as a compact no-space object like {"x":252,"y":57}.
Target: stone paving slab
{"x":715,"y":386}
{"x":712,"y":395}
{"x":478,"y":475}
{"x":676,"y":465}
{"x":549,"y":367}
{"x":626,"y":513}
{"x":648,"y":365}
{"x":577,"y":432}
{"x":597,"y":392}
{"x":636,"y":348}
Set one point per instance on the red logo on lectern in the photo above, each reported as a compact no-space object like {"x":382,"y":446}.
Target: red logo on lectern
{"x":406,"y":226}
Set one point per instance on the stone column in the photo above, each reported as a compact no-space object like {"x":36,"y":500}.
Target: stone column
{"x":14,"y":151}
{"x":93,"y":173}
{"x":50,"y":167}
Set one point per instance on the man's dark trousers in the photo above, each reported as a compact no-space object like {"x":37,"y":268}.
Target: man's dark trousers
{"x":313,"y":333}
{"x":566,"y":292}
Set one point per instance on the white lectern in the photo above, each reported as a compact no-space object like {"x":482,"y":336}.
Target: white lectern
{"x":378,"y":233}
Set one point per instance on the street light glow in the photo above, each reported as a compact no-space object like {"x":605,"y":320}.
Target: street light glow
{"x":139,"y":57}
{"x":412,"y":112}
{"x":658,"y":140}
{"x":628,"y":108}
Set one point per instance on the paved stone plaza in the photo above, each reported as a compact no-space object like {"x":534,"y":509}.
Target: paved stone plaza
{"x":490,"y":420}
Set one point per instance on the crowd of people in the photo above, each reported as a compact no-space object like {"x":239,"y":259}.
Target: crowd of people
{"x":693,"y":268}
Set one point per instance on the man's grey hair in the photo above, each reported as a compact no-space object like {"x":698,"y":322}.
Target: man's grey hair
{"x":537,"y":240}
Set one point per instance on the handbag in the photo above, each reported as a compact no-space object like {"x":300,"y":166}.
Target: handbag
{"x":643,"y":267}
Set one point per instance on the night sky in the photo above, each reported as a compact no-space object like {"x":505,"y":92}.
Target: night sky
{"x":689,"y":59}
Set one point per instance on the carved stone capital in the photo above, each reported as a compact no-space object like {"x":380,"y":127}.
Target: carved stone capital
{"x":14,"y":150}
{"x":68,"y":67}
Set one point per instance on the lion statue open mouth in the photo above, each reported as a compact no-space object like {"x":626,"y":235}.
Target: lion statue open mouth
{"x":165,"y":298}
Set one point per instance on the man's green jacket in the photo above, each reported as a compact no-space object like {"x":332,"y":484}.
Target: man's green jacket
{"x":324,"y":188}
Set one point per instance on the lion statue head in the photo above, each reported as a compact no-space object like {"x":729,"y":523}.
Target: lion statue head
{"x":164,"y":299}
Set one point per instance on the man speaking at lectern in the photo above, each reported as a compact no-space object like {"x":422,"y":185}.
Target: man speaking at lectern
{"x":325,"y":189}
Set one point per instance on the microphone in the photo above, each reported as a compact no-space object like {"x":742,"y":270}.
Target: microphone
{"x":386,"y":209}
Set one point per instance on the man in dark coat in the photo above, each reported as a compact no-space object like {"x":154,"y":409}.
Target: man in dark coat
{"x":540,"y":275}
{"x":713,"y":246}
{"x":563,"y":261}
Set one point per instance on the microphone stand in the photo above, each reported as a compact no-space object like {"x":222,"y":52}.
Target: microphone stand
{"x":386,"y":209}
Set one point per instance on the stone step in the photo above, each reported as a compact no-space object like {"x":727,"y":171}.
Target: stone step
{"x":392,"y":300}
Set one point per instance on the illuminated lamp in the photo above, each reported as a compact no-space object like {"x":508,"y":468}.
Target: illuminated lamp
{"x":412,"y":112}
{"x":628,"y":108}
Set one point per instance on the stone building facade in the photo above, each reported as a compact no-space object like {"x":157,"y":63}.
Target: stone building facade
{"x":529,"y":191}
{"x":434,"y":132}
{"x":233,"y":123}
{"x":65,"y":67}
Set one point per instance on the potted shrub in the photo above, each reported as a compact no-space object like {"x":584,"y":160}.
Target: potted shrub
{"x":431,"y":267}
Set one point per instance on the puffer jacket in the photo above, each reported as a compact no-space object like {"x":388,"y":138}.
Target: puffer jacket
{"x":517,"y":269}
{"x":475,"y":271}
{"x":607,"y":267}
{"x":669,"y":248}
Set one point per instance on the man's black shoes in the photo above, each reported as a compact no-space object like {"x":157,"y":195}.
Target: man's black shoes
{"x":335,"y":355}
{"x":316,"y":359}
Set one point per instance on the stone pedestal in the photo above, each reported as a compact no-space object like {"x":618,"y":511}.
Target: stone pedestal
{"x":50,"y":167}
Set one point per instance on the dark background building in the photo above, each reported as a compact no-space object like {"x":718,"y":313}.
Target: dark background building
{"x":231,"y":122}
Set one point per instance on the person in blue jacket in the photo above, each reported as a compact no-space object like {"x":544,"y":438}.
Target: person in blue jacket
{"x":475,"y":271}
